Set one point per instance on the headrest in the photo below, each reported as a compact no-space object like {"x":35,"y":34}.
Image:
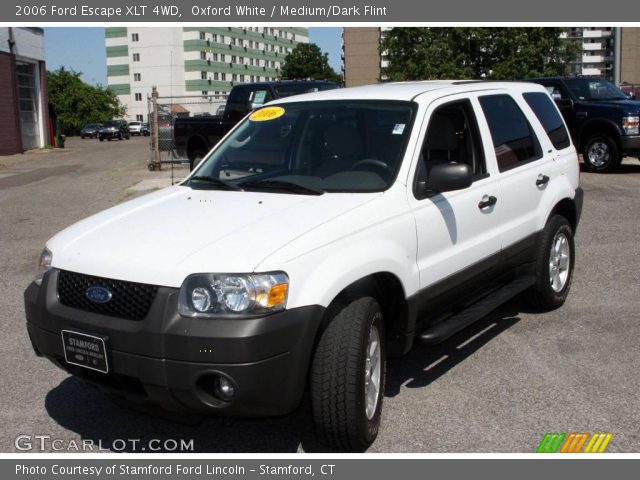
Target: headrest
{"x":343,"y":140}
{"x":441,"y":134}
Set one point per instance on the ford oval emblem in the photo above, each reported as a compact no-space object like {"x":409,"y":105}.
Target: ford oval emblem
{"x":98,"y":294}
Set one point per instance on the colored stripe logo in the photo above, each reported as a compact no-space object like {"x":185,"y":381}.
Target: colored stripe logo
{"x":574,"y":442}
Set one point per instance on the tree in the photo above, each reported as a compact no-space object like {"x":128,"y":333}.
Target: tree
{"x":306,"y":60}
{"x":76,"y":103}
{"x":499,"y":53}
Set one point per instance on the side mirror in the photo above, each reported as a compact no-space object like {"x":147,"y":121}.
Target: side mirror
{"x":556,"y":96}
{"x":447,"y":177}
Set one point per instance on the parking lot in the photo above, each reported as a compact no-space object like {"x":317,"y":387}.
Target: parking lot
{"x":497,"y":387}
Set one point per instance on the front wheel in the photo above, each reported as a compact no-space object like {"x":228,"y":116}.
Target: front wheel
{"x":601,"y":154}
{"x":554,"y":263}
{"x":348,"y":377}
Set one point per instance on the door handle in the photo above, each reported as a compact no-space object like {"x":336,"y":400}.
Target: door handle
{"x":542,"y":180}
{"x":487,"y":201}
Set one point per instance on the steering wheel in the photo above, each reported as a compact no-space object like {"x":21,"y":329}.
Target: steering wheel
{"x":373,"y":163}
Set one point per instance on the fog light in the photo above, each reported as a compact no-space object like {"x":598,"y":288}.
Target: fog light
{"x":225,"y":389}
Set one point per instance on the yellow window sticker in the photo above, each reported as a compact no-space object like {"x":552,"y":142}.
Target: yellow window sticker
{"x":267,"y":113}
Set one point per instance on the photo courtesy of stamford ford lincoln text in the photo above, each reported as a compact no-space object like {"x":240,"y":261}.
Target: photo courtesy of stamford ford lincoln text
{"x":233,"y":235}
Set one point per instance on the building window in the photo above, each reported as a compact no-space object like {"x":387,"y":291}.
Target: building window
{"x":242,"y":78}
{"x":136,"y":57}
{"x":203,"y":55}
{"x":234,"y":77}
{"x":135,"y":37}
{"x":215,"y":38}
{"x":205,"y":93}
{"x":203,"y":75}
{"x":138,"y":97}
{"x":223,"y":76}
{"x":140,"y":118}
{"x":202,"y":36}
{"x":222,"y":57}
{"x":216,"y":76}
{"x":233,"y":59}
{"x":137,"y":77}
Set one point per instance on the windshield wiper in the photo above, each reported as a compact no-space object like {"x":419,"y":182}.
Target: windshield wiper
{"x":281,"y":185}
{"x":215,"y":181}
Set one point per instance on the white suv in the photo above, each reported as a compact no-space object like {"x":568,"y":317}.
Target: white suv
{"x":323,"y":234}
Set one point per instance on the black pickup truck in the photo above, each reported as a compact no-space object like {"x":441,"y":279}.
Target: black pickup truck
{"x":194,"y":136}
{"x":603,"y":120}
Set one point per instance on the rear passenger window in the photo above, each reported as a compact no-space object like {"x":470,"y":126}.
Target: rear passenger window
{"x":513,"y":138}
{"x":550,"y":119}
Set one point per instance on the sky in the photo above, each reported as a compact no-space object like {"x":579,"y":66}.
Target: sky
{"x":82,"y":49}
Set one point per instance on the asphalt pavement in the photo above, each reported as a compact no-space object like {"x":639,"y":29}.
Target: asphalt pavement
{"x":499,"y":386}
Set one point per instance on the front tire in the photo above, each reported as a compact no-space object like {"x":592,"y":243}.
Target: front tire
{"x":348,"y":377}
{"x":554,"y":264}
{"x":601,"y":154}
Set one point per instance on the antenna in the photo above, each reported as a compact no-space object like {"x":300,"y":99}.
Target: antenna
{"x":172,"y":121}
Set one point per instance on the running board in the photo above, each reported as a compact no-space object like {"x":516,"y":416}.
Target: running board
{"x":445,"y":329}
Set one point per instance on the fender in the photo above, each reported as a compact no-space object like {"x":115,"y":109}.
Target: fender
{"x":596,"y":121}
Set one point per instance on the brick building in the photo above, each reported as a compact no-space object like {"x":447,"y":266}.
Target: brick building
{"x":24,"y":114}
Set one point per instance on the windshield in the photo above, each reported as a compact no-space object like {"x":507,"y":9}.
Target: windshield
{"x":594,"y":89}
{"x":92,"y":125}
{"x":135,"y":124}
{"x":328,"y":146}
{"x":110,"y":124}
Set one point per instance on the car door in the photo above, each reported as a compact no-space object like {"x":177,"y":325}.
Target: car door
{"x":525,"y":162}
{"x":458,"y":232}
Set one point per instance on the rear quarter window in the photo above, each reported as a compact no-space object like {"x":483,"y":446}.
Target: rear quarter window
{"x":549,"y":117}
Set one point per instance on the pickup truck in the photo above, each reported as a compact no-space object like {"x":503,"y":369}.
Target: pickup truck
{"x":603,"y":120}
{"x":324,"y":234}
{"x":194,"y":136}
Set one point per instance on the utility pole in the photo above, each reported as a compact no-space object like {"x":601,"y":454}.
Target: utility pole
{"x":154,"y":128}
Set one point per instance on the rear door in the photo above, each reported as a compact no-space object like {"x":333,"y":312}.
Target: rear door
{"x":526,"y":163}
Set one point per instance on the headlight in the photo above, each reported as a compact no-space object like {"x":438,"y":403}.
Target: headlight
{"x":631,"y":125}
{"x":227,"y":295}
{"x":44,"y":265}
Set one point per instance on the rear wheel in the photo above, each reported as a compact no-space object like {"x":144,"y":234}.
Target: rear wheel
{"x":348,"y":377}
{"x":555,"y":259}
{"x":601,"y":154}
{"x":195,"y":157}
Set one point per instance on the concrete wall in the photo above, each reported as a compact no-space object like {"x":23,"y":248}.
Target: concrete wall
{"x":630,"y":55}
{"x":361,"y":55}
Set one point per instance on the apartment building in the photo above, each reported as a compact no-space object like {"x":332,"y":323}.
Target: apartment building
{"x":204,"y":61}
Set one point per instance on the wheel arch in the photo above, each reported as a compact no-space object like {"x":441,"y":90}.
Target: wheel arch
{"x":601,"y":126}
{"x":567,"y":208}
{"x":194,"y":142}
{"x":388,"y":290}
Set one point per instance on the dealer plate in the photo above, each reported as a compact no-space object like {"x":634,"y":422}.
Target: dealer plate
{"x":87,"y":351}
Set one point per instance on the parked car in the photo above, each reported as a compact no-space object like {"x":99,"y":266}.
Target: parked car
{"x":325,"y":234}
{"x":194,"y":136}
{"x":114,"y":129}
{"x":90,"y":130}
{"x":604,"y":122}
{"x":135,"y":128}
{"x":145,"y":129}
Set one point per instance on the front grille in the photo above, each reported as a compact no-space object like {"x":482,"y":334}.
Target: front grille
{"x":129,"y":300}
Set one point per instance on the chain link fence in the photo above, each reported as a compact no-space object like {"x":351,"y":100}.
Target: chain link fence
{"x":169,"y":108}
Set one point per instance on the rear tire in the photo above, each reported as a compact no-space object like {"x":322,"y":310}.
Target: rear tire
{"x":348,"y":377}
{"x":555,"y":259}
{"x":601,"y":154}
{"x":195,"y":157}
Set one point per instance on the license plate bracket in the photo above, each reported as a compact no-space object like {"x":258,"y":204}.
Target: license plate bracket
{"x":84,"y":350}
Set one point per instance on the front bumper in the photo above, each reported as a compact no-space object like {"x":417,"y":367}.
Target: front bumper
{"x":170,"y":361}
{"x":109,"y":134}
{"x":630,"y":144}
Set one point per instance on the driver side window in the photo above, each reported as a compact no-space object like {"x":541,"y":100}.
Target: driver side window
{"x":452,"y":137}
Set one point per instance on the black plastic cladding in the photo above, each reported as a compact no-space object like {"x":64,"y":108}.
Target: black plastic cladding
{"x":129,"y":300}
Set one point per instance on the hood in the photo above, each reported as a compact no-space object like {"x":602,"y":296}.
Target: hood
{"x":165,"y":236}
{"x":626,"y":106}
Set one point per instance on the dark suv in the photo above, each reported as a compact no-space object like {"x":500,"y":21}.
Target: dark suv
{"x":114,"y":129}
{"x":603,"y":120}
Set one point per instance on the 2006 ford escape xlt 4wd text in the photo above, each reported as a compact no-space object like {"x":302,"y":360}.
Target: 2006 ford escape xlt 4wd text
{"x":323,"y":234}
